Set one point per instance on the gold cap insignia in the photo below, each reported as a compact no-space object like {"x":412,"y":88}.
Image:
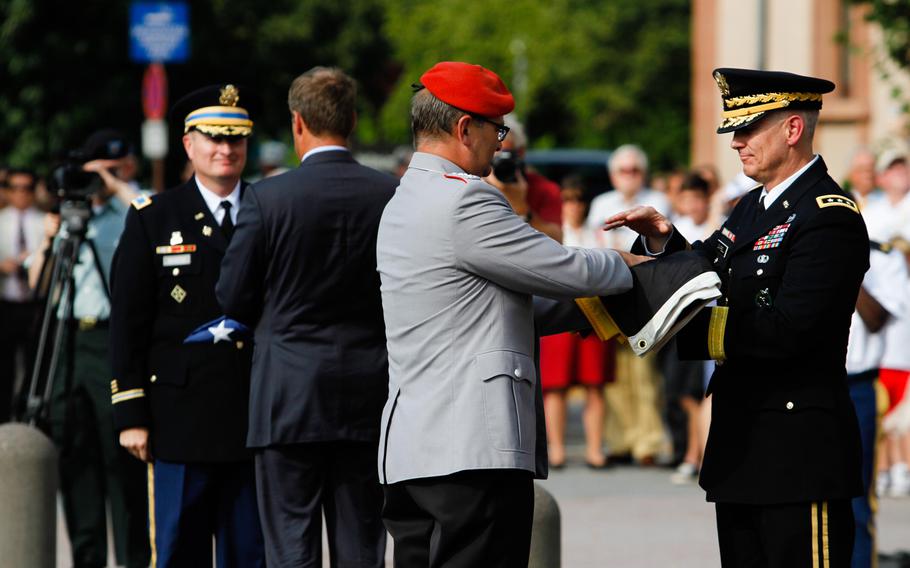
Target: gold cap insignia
{"x":230,"y":96}
{"x":722,"y":84}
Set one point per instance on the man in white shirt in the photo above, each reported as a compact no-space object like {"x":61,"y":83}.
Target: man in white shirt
{"x":634,"y":426}
{"x":21,"y":232}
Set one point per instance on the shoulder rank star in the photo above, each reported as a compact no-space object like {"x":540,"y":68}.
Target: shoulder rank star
{"x":835,"y":200}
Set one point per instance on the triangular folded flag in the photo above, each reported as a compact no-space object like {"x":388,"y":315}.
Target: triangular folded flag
{"x":219,"y":329}
{"x":666,"y":294}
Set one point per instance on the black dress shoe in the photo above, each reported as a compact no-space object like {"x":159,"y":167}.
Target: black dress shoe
{"x":604,"y":465}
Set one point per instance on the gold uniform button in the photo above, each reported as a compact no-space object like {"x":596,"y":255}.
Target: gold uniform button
{"x":789,"y":406}
{"x":153,"y":378}
{"x":758,"y":272}
{"x":239,"y":345}
{"x":176,"y":272}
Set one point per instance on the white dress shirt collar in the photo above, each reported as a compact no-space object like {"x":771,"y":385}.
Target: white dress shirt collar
{"x":213,"y":201}
{"x":320,"y":149}
{"x":771,"y":196}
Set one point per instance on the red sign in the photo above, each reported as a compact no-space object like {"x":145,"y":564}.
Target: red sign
{"x":154,"y":92}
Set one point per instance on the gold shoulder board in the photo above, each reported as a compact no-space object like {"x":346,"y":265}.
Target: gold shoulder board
{"x":142,"y":202}
{"x":835,"y":200}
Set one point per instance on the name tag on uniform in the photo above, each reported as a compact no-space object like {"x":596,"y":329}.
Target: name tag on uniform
{"x":176,"y":259}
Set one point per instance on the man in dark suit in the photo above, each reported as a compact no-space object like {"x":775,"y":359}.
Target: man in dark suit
{"x":181,"y":406}
{"x":302,"y":268}
{"x":783,"y":455}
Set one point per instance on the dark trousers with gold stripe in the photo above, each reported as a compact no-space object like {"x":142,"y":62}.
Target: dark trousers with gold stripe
{"x":797,"y":535}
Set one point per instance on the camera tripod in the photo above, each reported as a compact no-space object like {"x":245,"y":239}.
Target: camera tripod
{"x":58,"y":308}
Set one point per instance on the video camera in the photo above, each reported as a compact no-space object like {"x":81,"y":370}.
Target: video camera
{"x":506,"y":165}
{"x":70,"y":182}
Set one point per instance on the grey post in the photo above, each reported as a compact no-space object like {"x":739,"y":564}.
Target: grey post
{"x":546,"y":532}
{"x":28,"y":498}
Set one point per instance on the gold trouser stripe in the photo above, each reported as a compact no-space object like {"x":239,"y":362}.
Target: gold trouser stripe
{"x":881,"y":407}
{"x":815,"y":535}
{"x":716,"y":328}
{"x":825,"y":557}
{"x":754,"y":109}
{"x":600,"y":319}
{"x":151,"y":489}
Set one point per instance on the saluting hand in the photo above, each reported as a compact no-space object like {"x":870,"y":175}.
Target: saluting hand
{"x":136,"y":442}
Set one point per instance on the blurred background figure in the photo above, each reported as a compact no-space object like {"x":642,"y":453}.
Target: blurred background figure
{"x":634,"y":429}
{"x":886,"y":216}
{"x":684,"y":381}
{"x":531,"y":195}
{"x":95,"y":472}
{"x":861,"y":178}
{"x":568,"y":359}
{"x":272,"y":160}
{"x":21,"y":233}
{"x":628,"y":168}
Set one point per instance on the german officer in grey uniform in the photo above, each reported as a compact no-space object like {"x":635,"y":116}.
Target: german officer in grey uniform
{"x":462,"y":430}
{"x":182,"y":407}
{"x":783,"y":455}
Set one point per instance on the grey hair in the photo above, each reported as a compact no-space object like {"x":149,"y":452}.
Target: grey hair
{"x":631,"y":149}
{"x":516,"y":131}
{"x":430,"y":117}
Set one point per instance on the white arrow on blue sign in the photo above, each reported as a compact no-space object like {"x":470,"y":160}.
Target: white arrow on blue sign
{"x":159,"y":32}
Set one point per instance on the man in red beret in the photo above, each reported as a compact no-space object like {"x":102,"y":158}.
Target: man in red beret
{"x":463,"y":434}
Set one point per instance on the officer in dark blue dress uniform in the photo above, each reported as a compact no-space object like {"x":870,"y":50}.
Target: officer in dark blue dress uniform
{"x":182,"y":407}
{"x":783,"y":455}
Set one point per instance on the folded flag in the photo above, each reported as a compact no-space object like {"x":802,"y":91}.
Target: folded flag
{"x":666,"y":294}
{"x":219,"y":329}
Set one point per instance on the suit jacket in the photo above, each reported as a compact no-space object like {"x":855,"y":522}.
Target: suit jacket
{"x":302,"y":268}
{"x":783,"y":427}
{"x":458,"y":271}
{"x":193,"y":397}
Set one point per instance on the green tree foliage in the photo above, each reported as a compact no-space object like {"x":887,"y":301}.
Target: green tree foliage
{"x":592,"y":73}
{"x":599,"y":74}
{"x":894,"y":18}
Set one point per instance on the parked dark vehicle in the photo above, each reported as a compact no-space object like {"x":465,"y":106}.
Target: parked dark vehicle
{"x":590,"y":165}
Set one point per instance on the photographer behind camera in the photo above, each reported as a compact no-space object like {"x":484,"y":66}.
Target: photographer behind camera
{"x":93,"y":467}
{"x":532,"y":196}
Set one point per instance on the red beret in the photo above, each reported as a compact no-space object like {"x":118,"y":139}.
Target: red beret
{"x":470,"y":88}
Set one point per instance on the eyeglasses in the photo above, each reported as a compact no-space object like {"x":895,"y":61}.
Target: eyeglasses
{"x":633,"y":171}
{"x":501,"y":129}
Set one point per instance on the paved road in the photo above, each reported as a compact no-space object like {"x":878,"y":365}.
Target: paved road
{"x":629,"y":517}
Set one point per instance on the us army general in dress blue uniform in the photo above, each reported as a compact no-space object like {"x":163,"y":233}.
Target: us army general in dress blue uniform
{"x":783,"y":454}
{"x":191,"y":399}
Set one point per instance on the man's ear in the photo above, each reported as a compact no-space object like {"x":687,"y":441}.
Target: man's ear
{"x":187,"y":142}
{"x":461,"y":130}
{"x":795,"y":128}
{"x":298,"y":124}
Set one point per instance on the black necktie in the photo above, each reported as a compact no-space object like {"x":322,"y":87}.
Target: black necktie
{"x":227,"y":224}
{"x":761,"y":204}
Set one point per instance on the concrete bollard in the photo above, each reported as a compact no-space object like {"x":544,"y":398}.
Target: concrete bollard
{"x":546,"y":533}
{"x":28,"y":498}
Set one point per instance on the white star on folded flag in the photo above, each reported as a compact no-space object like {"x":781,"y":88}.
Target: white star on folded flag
{"x":221,"y":332}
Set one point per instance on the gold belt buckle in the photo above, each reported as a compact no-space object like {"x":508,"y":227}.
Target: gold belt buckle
{"x":87,"y":324}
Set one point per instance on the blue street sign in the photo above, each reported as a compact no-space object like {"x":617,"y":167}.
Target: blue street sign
{"x":159,"y":32}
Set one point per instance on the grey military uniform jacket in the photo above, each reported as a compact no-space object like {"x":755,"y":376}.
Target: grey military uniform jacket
{"x":458,"y":271}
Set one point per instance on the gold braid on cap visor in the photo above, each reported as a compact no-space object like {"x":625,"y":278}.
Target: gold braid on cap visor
{"x":771,"y":101}
{"x":219,"y":121}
